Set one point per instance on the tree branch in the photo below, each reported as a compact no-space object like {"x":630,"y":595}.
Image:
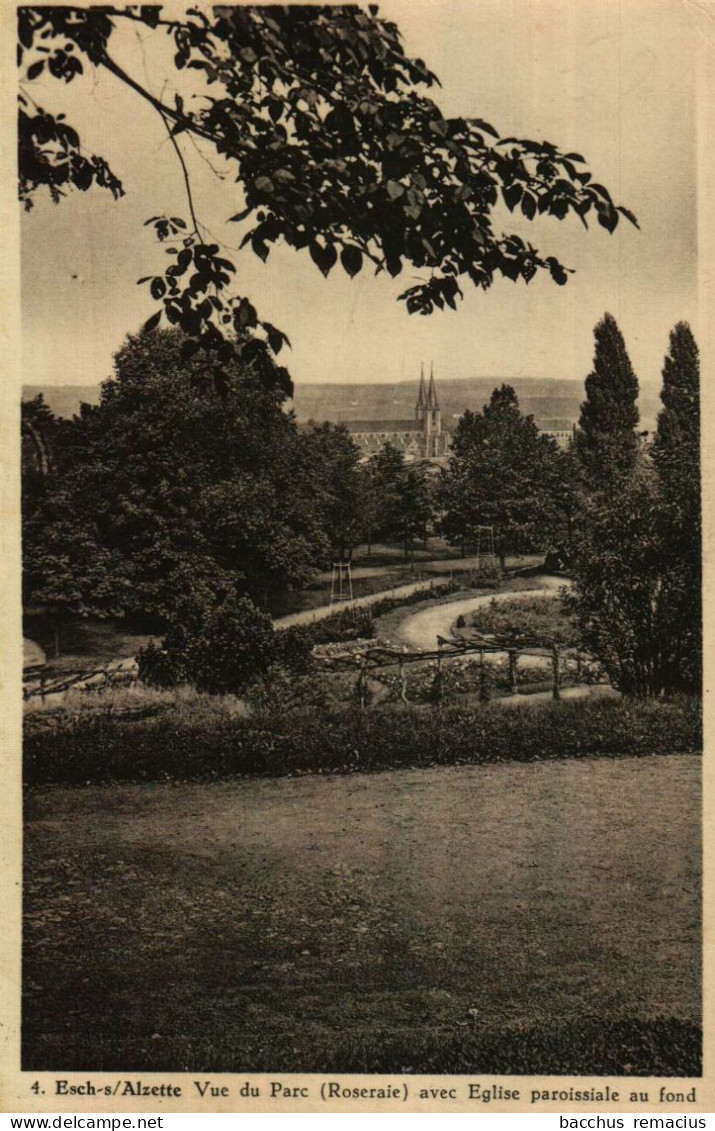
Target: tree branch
{"x":185,"y":172}
{"x":165,"y":111}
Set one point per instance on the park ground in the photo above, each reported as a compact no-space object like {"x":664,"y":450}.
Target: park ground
{"x":507,"y":918}
{"x":536,"y":913}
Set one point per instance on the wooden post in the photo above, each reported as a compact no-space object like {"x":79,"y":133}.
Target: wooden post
{"x":513,"y":654}
{"x":438,"y":675}
{"x":555,"y":662}
{"x":403,"y":682}
{"x":483,"y":692}
{"x":362,"y":684}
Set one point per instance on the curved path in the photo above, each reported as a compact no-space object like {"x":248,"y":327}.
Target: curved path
{"x":420,"y":631}
{"x":322,"y":612}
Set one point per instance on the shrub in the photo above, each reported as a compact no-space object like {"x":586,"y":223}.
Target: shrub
{"x":159,"y":667}
{"x":216,"y":647}
{"x":206,"y":745}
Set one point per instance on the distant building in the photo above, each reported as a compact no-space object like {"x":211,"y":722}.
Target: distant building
{"x":421,"y":438}
{"x":425,"y":437}
{"x":560,"y":431}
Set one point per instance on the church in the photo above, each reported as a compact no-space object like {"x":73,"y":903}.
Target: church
{"x":421,"y":438}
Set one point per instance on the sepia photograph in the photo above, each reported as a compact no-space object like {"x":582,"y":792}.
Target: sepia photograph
{"x":361,"y":546}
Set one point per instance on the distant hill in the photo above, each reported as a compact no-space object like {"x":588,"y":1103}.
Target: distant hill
{"x":552,"y":403}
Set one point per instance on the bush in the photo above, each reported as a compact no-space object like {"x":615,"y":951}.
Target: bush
{"x":159,"y":667}
{"x":216,"y":647}
{"x":272,"y":744}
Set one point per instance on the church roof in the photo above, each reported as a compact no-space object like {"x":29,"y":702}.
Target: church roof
{"x":384,"y":425}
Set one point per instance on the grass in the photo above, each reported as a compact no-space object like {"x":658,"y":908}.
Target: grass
{"x":84,"y":643}
{"x":539,"y":918}
{"x":199,"y":737}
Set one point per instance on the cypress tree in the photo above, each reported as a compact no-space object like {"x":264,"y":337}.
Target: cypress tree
{"x":676,"y":449}
{"x":606,"y":440}
{"x":676,"y":456}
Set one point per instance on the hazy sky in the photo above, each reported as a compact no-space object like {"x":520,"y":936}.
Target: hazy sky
{"x":613,"y":81}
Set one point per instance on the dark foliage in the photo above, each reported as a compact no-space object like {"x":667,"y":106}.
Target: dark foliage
{"x":106,"y":749}
{"x":215,"y":647}
{"x":335,"y":149}
{"x":606,"y":440}
{"x":505,"y":475}
{"x":165,"y":490}
{"x":638,"y":562}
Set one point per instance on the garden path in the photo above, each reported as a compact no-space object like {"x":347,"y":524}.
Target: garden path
{"x":420,"y":630}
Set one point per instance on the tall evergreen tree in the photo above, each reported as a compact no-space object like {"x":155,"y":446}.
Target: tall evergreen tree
{"x":676,"y":455}
{"x":637,"y":572}
{"x":606,"y":441}
{"x":676,"y":449}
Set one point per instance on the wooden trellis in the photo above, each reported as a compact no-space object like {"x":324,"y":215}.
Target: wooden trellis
{"x":341,"y":585}
{"x":382,"y":657}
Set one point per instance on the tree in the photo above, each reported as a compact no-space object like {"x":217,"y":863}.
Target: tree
{"x":676,"y":457}
{"x":413,"y":507}
{"x":676,"y":447}
{"x":67,"y":571}
{"x":39,"y":428}
{"x":333,"y":144}
{"x":333,"y":459}
{"x":637,"y":569}
{"x":629,"y":594}
{"x":606,"y":439}
{"x":183,"y":489}
{"x":503,"y":474}
{"x":402,"y":497}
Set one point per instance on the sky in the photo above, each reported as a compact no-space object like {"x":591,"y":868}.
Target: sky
{"x":612,"y":80}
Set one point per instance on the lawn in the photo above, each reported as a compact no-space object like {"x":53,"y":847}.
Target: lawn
{"x":499,"y":918}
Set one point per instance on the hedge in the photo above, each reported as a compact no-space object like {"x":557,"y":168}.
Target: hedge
{"x":106,"y":748}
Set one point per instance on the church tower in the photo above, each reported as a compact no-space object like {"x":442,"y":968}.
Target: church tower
{"x":421,"y":405}
{"x":434,"y":414}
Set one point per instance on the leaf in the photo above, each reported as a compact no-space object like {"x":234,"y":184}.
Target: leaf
{"x":35,"y":69}
{"x":152,"y":323}
{"x":275,"y":337}
{"x":240,"y":215}
{"x":528,"y":205}
{"x":324,"y":257}
{"x":245,"y":315}
{"x":157,"y":288}
{"x":482,"y":125}
{"x":558,"y":273}
{"x":439,"y":126}
{"x":395,"y":190}
{"x":607,"y":217}
{"x":260,"y":248}
{"x":512,"y":195}
{"x":264,"y":184}
{"x":351,"y":259}
{"x":178,"y":222}
{"x":629,"y":216}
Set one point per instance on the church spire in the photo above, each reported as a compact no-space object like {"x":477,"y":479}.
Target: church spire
{"x":422,"y":397}
{"x":432,"y":402}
